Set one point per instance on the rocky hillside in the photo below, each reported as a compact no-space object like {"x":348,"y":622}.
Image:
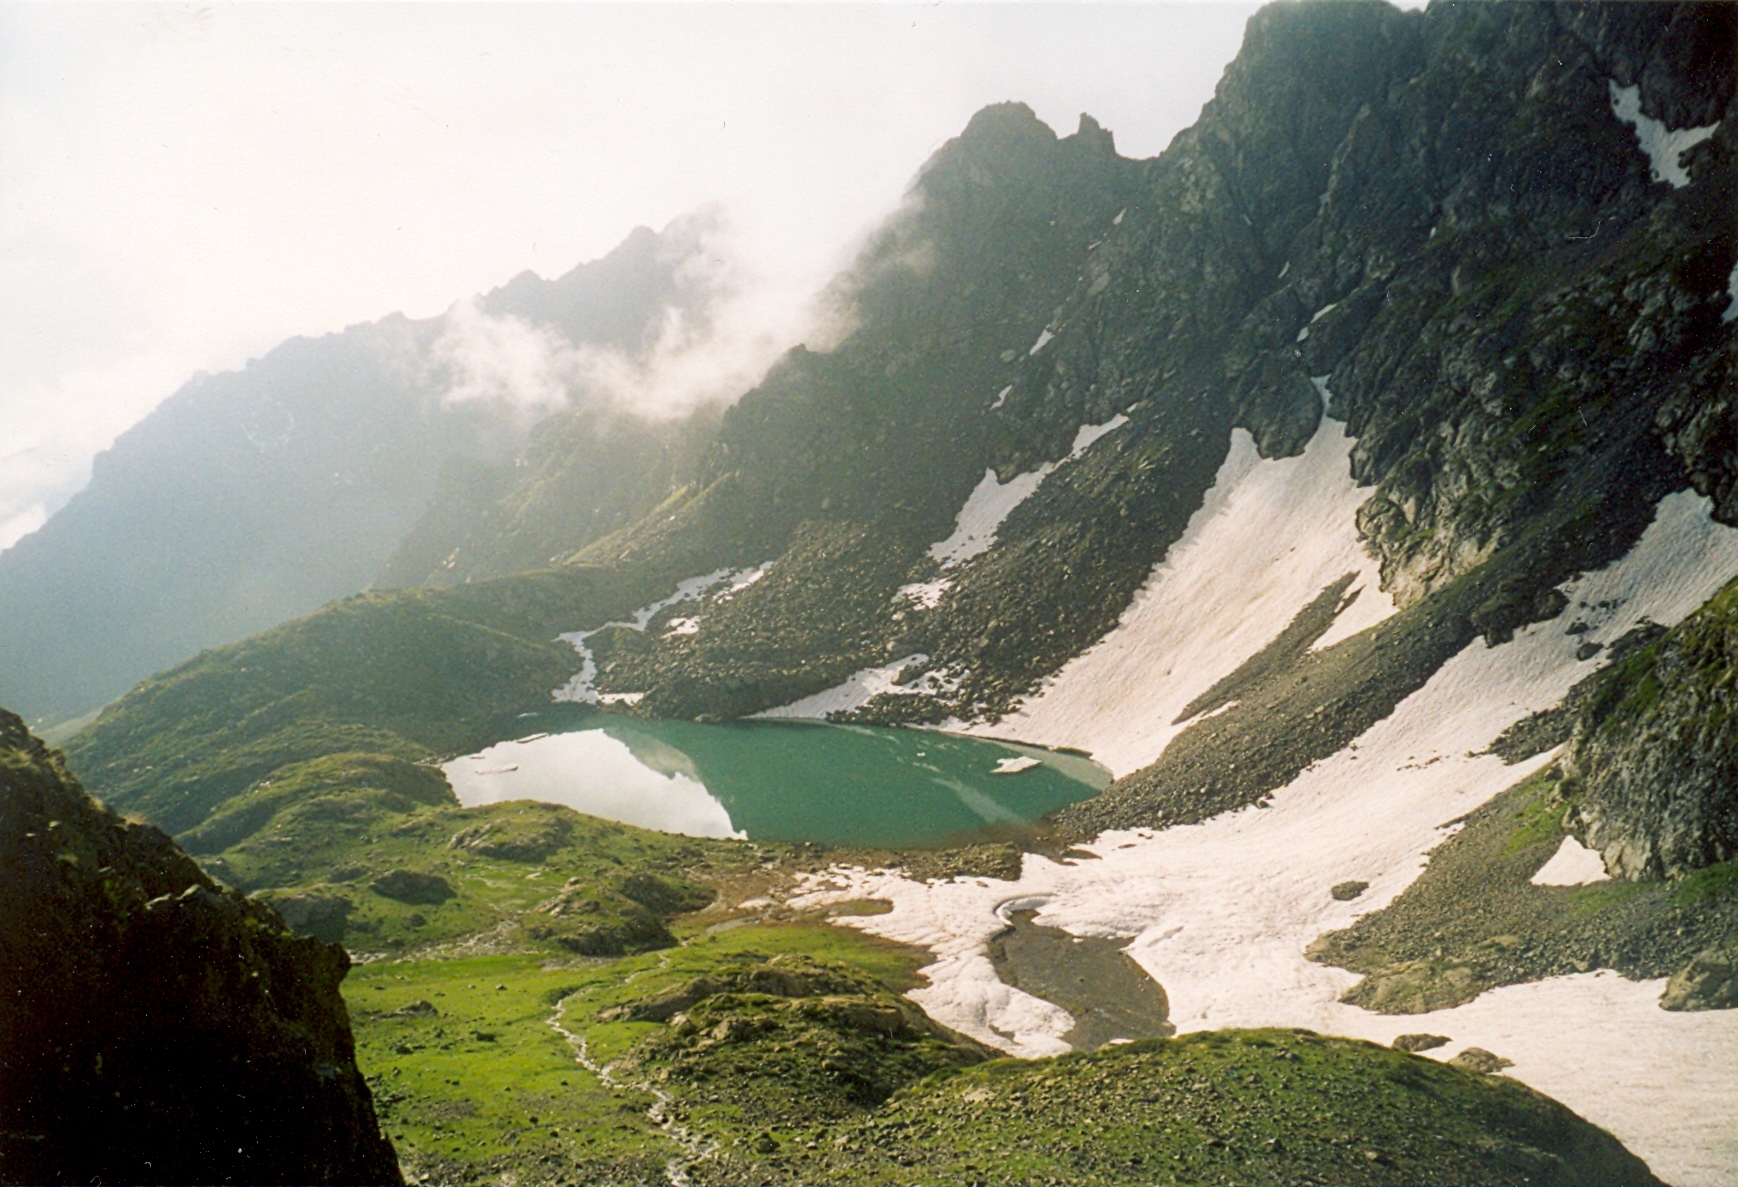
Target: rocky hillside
{"x":252,"y":496}
{"x":154,"y":1027}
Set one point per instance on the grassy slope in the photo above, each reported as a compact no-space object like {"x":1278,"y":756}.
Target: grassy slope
{"x":1474,"y":920}
{"x":837,"y":1079}
{"x":410,"y":673}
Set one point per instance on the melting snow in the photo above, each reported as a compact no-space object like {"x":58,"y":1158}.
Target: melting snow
{"x":991,"y":501}
{"x":1731,"y":313}
{"x":581,"y":689}
{"x":1013,"y":766}
{"x":1087,"y":434}
{"x":1573,"y":865}
{"x":1221,"y":911}
{"x":856,"y":691}
{"x":926,"y":595}
{"x":1663,"y":148}
{"x":1269,"y":537}
{"x":683,"y":626}
{"x":1043,"y":337}
{"x":743,"y":579}
{"x":986,"y":507}
{"x":1001,"y":397}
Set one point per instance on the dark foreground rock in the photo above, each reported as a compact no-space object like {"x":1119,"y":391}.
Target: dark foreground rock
{"x":154,"y":1027}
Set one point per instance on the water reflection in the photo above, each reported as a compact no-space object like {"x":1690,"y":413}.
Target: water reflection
{"x":781,"y":780}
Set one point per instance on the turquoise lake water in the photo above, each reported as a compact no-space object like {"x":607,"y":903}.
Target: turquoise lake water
{"x":781,"y":781}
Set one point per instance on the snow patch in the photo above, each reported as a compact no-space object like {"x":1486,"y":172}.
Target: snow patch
{"x":580,"y":689}
{"x":1319,"y":314}
{"x":1001,"y":397}
{"x":1573,"y":865}
{"x":925,"y":595}
{"x":1268,"y":538}
{"x":991,"y":501}
{"x":1043,"y":337}
{"x":1731,"y":313}
{"x":986,"y":507}
{"x":855,"y":692}
{"x":1117,"y":221}
{"x":1663,"y":147}
{"x":1013,"y":766}
{"x":743,"y":579}
{"x":1222,"y":911}
{"x":683,"y":626}
{"x":1087,"y":434}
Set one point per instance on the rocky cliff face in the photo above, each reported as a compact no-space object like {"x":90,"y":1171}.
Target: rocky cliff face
{"x":155,"y":1028}
{"x":1654,"y":758}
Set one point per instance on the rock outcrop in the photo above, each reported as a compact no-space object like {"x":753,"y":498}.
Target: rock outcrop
{"x":1655,"y":752}
{"x":1709,"y":982}
{"x":155,"y":1027}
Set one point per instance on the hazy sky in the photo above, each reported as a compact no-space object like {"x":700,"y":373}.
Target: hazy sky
{"x":182,"y":187}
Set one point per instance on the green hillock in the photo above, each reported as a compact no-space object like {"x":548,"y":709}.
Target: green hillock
{"x":406,"y":673}
{"x":1268,"y":1106}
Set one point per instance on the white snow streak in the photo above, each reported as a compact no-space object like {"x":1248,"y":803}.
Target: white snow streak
{"x":974,"y":531}
{"x":986,"y":507}
{"x":1663,"y":147}
{"x":1043,"y":338}
{"x":1319,"y":314}
{"x":580,"y":687}
{"x":1001,"y":397}
{"x":1573,"y":865}
{"x":991,"y":501}
{"x":1731,"y":313}
{"x":1221,"y":911}
{"x":1013,"y":766}
{"x":1268,"y":538}
{"x":856,"y":691}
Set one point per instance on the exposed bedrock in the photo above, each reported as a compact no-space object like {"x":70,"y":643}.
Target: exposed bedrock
{"x":154,"y":1027}
{"x":1655,"y":753}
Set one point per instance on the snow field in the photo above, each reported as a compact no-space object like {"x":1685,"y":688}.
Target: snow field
{"x":1267,"y":539}
{"x":857,"y":690}
{"x":992,"y":501}
{"x":1221,"y":912}
{"x":1663,"y":147}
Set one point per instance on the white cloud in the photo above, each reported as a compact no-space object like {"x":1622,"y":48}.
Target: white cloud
{"x":183,"y":187}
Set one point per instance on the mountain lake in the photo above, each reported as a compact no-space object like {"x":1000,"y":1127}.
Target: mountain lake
{"x":781,"y":780}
